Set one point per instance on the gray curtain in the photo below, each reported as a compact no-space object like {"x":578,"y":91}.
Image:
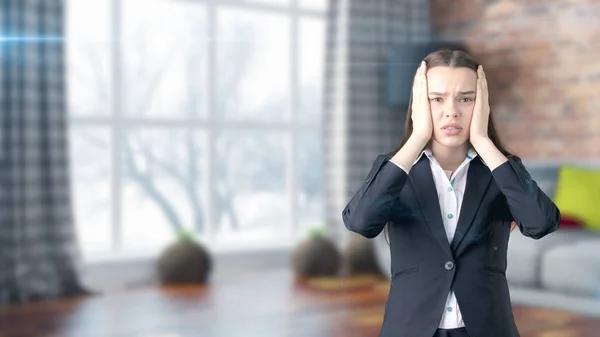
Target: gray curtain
{"x":357,"y":123}
{"x":37,"y":241}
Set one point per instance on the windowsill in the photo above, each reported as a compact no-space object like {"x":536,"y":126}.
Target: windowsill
{"x":230,"y":249}
{"x":127,"y":270}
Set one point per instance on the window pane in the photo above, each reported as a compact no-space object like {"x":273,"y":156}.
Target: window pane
{"x":312,"y":40}
{"x":252,"y":66}
{"x":162,"y":186}
{"x":270,"y":2}
{"x":91,"y":180}
{"x":251,"y":184}
{"x":88,"y":57}
{"x":314,"y":4}
{"x":165,"y":53}
{"x":310,"y":181}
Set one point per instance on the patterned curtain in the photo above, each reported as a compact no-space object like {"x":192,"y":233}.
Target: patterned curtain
{"x":37,"y":239}
{"x":358,"y":124}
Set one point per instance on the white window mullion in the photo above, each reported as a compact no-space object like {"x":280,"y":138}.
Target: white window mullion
{"x":292,"y":176}
{"x":266,"y":7}
{"x":116,"y":127}
{"x":194,"y":123}
{"x":211,"y":132}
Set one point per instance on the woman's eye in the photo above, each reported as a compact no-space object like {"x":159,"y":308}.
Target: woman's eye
{"x":436,"y":99}
{"x":466,"y":100}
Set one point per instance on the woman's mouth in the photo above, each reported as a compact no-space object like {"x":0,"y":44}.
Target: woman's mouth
{"x":451,"y":130}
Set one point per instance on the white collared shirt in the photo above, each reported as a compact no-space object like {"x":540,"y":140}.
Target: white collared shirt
{"x":450,"y":188}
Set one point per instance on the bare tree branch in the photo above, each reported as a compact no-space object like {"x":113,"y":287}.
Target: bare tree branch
{"x":192,"y":152}
{"x":147,"y":80}
{"x":156,"y":77}
{"x":148,"y":185}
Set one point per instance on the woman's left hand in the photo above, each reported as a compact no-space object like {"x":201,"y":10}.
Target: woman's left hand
{"x":481,"y":112}
{"x":479,"y":137}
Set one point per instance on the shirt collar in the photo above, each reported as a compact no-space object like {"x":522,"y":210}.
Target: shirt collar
{"x":471,"y":154}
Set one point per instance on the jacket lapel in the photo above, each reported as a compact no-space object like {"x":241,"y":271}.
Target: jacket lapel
{"x":478,"y":178}
{"x":424,"y":187}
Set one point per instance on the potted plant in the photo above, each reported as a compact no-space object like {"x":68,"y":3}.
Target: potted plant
{"x":185,"y":261}
{"x":359,"y":257}
{"x":316,"y":256}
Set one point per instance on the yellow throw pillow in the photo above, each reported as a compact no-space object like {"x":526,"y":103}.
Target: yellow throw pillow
{"x":578,"y":194}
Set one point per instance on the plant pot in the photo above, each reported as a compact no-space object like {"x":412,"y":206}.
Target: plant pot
{"x":359,"y":257}
{"x":184,"y":262}
{"x":314,"y":257}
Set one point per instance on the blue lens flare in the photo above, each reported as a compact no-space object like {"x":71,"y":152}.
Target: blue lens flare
{"x":30,"y":39}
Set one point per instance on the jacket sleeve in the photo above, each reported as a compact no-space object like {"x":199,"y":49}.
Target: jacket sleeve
{"x":533,"y":211}
{"x":369,"y":208}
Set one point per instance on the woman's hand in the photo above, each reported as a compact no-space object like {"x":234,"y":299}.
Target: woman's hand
{"x":479,"y":125}
{"x":481,"y":112}
{"x":421,"y":112}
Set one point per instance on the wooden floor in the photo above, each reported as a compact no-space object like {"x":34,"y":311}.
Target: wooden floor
{"x":266,"y":305}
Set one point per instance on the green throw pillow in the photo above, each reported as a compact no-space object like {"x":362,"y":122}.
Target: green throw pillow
{"x":578,"y":194}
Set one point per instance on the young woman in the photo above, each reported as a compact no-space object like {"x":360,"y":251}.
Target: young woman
{"x":448,"y":196}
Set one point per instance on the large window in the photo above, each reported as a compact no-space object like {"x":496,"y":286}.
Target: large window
{"x":195,"y":115}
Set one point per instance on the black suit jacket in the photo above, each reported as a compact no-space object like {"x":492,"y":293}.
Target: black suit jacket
{"x":425,"y":266}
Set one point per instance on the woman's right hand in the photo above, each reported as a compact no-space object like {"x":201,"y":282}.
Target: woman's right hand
{"x":421,"y":112}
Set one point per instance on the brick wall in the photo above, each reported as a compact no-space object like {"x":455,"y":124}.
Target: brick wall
{"x":542,"y":59}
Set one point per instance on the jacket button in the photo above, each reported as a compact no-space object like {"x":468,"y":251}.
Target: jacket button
{"x":449,"y":265}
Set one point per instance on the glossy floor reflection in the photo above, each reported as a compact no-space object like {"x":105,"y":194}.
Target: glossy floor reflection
{"x":265,"y":305}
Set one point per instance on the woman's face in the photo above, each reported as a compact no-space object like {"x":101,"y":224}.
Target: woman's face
{"x":452,"y":99}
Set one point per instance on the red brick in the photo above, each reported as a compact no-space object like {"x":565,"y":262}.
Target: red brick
{"x":542,"y":64}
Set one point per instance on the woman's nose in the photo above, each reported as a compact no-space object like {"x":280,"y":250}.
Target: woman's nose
{"x":451,"y":110}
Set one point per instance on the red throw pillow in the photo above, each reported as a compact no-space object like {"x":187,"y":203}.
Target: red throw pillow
{"x":569,"y":221}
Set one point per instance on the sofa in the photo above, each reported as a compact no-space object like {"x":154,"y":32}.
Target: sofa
{"x":559,"y":271}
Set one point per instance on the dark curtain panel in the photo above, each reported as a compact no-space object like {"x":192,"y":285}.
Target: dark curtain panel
{"x":38,"y":249}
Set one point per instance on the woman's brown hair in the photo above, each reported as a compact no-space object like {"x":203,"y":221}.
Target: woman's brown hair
{"x":456,"y":59}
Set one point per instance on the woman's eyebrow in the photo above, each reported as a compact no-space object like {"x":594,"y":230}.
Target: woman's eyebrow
{"x":469,"y":92}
